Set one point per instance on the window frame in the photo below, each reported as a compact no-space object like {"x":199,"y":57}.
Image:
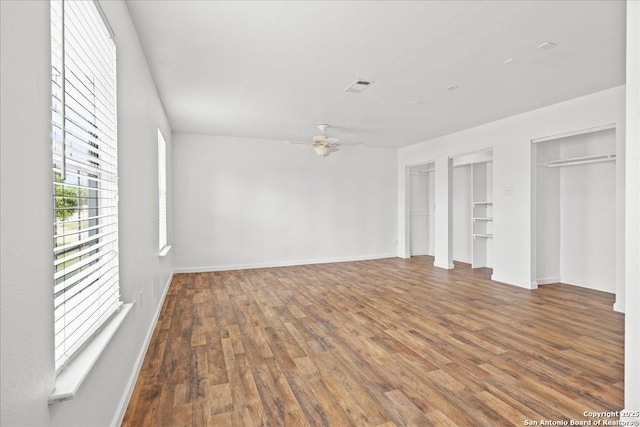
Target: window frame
{"x":85,"y":188}
{"x":163,"y":231}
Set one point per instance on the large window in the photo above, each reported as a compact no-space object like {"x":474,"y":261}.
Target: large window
{"x":85,"y":182}
{"x":162,"y":193}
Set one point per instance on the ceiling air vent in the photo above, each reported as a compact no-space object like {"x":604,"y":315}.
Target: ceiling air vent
{"x":359,"y":86}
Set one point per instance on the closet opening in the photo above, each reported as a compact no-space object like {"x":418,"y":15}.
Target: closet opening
{"x":574,"y":204}
{"x":421,"y":209}
{"x":472,"y":208}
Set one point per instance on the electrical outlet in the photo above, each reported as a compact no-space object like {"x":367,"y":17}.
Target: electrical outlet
{"x":141,"y":300}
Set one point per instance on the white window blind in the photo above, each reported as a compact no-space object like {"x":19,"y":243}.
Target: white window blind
{"x":162,"y":191}
{"x":85,"y":181}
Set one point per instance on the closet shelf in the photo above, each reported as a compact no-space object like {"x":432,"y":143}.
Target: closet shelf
{"x":610,"y":157}
{"x":486,"y":236}
{"x":482,"y":203}
{"x":482,"y":218}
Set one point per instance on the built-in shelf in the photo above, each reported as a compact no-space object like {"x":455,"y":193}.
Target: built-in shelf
{"x":481,"y":214}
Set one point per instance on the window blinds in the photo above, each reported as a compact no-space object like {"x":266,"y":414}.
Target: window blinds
{"x":85,"y":182}
{"x":162,"y":190}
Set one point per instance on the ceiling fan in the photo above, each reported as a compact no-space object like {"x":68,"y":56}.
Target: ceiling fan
{"x":323,"y":144}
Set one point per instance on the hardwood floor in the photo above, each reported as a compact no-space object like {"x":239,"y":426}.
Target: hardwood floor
{"x":376,"y":343}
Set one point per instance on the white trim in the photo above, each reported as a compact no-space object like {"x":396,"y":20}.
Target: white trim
{"x":126,"y":397}
{"x":548,"y":280}
{"x":531,"y":285}
{"x":104,"y":19}
{"x":574,"y":133}
{"x":165,"y":251}
{"x":204,"y":269}
{"x":617,"y":306}
{"x":420,"y":253}
{"x":593,"y":286}
{"x":69,"y":380}
{"x":446,"y":267}
{"x":483,"y":156}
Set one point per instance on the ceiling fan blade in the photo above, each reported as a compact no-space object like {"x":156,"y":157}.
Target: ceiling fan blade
{"x":298,"y":143}
{"x":334,"y":149}
{"x":350,"y":144}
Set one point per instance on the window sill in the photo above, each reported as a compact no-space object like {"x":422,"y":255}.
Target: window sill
{"x":164,"y":251}
{"x":71,"y":378}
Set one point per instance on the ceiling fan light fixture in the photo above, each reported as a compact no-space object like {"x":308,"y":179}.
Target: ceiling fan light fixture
{"x":320,"y":139}
{"x":322,"y":150}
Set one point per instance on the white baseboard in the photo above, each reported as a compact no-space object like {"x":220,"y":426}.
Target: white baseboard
{"x":617,"y":306}
{"x":528,"y":285}
{"x":445,"y":266}
{"x":547,"y":280}
{"x":419,"y":253}
{"x":584,"y":284}
{"x":131,"y":384}
{"x":204,"y":269}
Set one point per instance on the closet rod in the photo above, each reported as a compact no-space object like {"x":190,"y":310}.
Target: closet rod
{"x":582,"y":160}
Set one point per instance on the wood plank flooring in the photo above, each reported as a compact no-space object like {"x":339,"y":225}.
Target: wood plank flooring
{"x":389,"y":342}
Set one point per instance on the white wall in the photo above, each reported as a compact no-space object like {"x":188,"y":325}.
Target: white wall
{"x":587,"y":226}
{"x":26,"y":311}
{"x":26,"y":241}
{"x":632,"y":243}
{"x":511,"y":142}
{"x":243,"y":203}
{"x":432,"y":213}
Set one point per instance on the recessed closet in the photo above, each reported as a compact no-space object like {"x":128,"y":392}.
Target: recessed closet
{"x":472,"y":205}
{"x":422,"y":209}
{"x":575,"y":210}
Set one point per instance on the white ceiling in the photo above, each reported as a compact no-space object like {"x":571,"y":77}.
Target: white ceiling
{"x":274,"y":70}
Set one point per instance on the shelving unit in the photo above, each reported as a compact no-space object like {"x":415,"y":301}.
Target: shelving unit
{"x":481,"y":214}
{"x":482,"y":219}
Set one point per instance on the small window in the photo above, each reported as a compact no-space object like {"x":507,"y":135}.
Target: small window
{"x":162,"y":194}
{"x":85,"y":175}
